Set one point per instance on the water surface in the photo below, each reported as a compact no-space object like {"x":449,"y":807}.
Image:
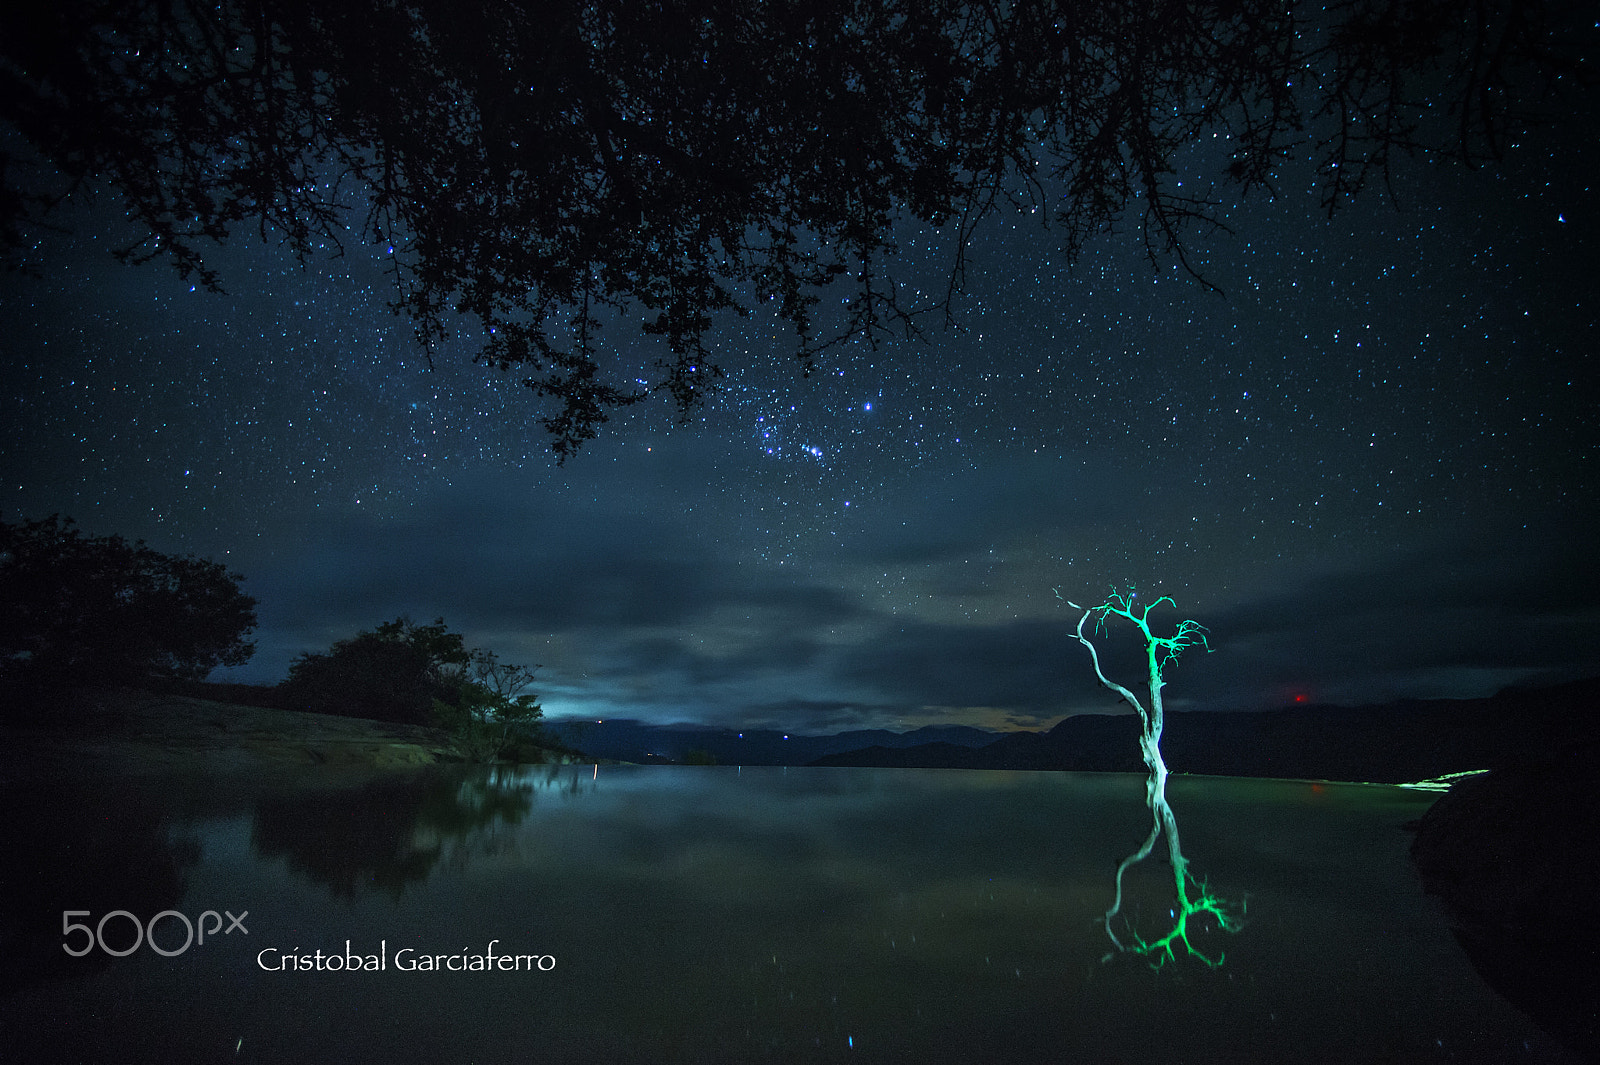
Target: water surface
{"x":736,"y":915}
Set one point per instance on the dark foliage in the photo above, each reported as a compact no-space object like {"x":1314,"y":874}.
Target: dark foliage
{"x":393,"y":673}
{"x":422,"y":675}
{"x":80,"y":610}
{"x":550,"y":168}
{"x":490,"y":716}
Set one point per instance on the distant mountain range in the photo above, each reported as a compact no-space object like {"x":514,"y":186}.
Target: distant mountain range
{"x":1388,"y":743}
{"x":635,"y":741}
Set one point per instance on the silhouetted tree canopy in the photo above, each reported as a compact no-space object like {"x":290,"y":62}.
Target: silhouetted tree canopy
{"x":392,"y":673}
{"x":548,"y":169}
{"x":491,"y":715}
{"x":97,"y":610}
{"x":423,"y":675}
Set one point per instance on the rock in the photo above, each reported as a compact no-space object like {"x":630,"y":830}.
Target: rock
{"x":1514,"y":857}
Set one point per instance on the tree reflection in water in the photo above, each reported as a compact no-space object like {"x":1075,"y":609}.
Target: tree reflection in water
{"x":389,"y":834}
{"x":1193,"y":897}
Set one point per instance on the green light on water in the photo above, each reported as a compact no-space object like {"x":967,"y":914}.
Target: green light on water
{"x":1228,"y":918}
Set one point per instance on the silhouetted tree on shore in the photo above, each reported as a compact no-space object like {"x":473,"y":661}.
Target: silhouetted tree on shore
{"x":491,"y":714}
{"x":392,"y":673}
{"x":80,"y":610}
{"x":422,"y":675}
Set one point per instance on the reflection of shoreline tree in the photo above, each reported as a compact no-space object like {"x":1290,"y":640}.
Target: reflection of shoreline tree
{"x":550,"y":778}
{"x":387,"y":834}
{"x":1159,"y":651}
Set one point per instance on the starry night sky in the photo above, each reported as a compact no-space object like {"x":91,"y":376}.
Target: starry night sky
{"x":1367,"y":465}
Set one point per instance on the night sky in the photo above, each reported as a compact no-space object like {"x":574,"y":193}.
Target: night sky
{"x":1367,"y":465}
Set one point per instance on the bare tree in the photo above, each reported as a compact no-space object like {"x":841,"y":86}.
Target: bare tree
{"x":1194,"y":899}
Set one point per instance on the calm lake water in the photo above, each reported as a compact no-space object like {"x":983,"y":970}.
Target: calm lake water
{"x":685,"y":914}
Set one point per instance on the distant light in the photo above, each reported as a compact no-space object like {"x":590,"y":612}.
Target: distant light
{"x":868,"y":406}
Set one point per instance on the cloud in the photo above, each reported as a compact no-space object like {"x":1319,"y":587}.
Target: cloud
{"x":490,"y":562}
{"x":1440,"y":619}
{"x":1026,"y":667}
{"x":932,"y":604}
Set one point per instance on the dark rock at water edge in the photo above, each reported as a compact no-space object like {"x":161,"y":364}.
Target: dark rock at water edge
{"x":1514,"y":857}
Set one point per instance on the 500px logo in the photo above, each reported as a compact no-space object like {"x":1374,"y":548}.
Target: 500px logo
{"x":145,"y":932}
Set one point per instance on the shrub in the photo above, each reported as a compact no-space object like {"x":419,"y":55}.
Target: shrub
{"x":423,"y":675}
{"x":393,"y":673}
{"x":78,"y":610}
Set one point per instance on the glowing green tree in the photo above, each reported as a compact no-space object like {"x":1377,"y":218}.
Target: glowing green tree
{"x":1193,"y":898}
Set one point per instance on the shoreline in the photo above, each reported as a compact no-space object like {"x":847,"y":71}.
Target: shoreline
{"x":150,"y":734}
